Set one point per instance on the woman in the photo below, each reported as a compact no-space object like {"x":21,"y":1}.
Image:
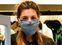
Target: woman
{"x":28,"y":19}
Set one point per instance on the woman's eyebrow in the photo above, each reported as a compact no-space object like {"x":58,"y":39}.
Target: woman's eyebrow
{"x":23,"y":17}
{"x":33,"y":17}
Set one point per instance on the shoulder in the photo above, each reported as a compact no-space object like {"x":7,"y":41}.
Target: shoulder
{"x":47,"y":40}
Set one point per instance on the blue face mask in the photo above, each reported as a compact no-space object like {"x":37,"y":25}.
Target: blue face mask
{"x":29,"y":28}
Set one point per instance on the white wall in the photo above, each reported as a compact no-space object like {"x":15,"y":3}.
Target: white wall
{"x":37,"y":1}
{"x":9,"y":1}
{"x":48,"y":1}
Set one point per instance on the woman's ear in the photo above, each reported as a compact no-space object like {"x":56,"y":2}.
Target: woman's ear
{"x":40,"y":25}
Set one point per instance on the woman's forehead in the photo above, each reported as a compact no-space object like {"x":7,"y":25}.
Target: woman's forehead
{"x":28,"y":12}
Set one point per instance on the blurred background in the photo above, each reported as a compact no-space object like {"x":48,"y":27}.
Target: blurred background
{"x":50,"y":17}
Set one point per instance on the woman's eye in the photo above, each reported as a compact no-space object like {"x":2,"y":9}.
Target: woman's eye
{"x":33,"y":18}
{"x":24,"y":18}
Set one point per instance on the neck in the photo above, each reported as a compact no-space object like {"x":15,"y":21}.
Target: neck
{"x":29,"y":38}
